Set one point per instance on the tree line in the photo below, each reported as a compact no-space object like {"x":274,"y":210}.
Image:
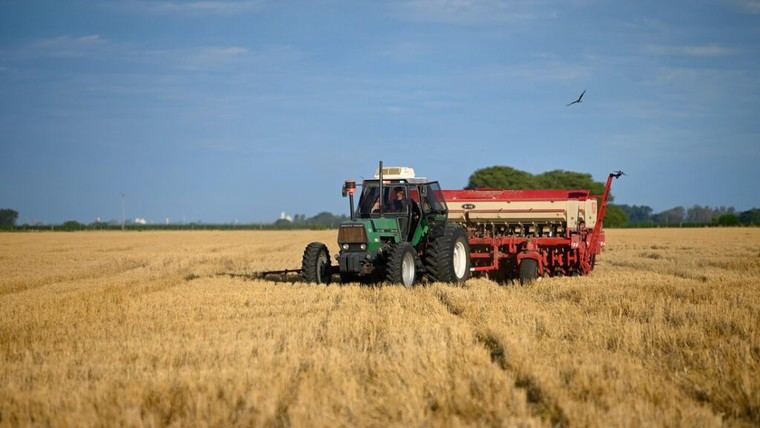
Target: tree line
{"x":323,"y":220}
{"x":503,"y":177}
{"x":642,"y":216}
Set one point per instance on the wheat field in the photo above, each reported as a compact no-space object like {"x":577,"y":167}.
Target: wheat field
{"x":164,"y":328}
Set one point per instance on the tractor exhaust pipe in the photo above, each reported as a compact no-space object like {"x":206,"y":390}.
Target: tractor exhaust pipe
{"x":380,"y":174}
{"x":349,"y":187}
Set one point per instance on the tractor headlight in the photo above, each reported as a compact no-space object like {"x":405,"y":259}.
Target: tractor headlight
{"x":344,"y":246}
{"x":363,"y":246}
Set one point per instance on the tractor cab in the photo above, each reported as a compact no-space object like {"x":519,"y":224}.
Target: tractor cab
{"x":409,"y":200}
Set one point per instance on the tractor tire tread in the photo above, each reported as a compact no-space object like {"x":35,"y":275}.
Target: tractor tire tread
{"x":438,"y":260}
{"x":394,"y":262}
{"x":311,"y":259}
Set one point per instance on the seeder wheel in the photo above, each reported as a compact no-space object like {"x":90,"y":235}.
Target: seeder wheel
{"x":528,"y":271}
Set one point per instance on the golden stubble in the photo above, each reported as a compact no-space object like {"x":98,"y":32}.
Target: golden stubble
{"x":150,"y":329}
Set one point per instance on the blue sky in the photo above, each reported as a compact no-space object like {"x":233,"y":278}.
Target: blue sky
{"x":224,"y":110}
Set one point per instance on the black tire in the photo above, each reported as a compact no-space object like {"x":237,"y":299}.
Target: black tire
{"x":528,"y":271}
{"x":400,"y":266}
{"x":447,"y":257}
{"x":315,"y":265}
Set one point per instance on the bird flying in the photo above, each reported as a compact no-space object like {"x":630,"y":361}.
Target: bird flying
{"x":579,"y":100}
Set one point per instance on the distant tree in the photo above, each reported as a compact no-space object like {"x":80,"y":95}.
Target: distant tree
{"x":8,"y":217}
{"x":559,"y":179}
{"x":719,"y":211}
{"x":615,"y":216}
{"x":672,"y":217}
{"x":728,"y":220}
{"x":501,"y":177}
{"x":637,"y":214}
{"x":750,"y":216}
{"x":699,"y":214}
{"x":505,"y":177}
{"x":321,"y":220}
{"x":72,"y":225}
{"x":326,"y":219}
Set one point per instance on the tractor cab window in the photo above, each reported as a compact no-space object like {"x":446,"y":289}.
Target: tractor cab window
{"x":432,"y":199}
{"x":369,"y":199}
{"x":395,"y":199}
{"x":414,"y":194}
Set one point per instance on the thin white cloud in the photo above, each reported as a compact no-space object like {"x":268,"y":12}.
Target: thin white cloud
{"x":556,"y":71}
{"x":404,"y":51}
{"x":218,"y":7}
{"x":700,"y":76}
{"x":466,"y":11}
{"x":193,"y":58}
{"x":214,"y":56}
{"x":708,"y":50}
{"x":67,"y":46}
{"x":750,"y":6}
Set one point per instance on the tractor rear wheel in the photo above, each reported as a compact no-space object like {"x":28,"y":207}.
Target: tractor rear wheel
{"x":315,"y":265}
{"x":528,"y":271}
{"x":447,"y":258}
{"x":400,"y":266}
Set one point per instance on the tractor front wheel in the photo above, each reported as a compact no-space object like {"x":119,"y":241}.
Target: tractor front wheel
{"x":400,"y":267}
{"x":315,"y":265}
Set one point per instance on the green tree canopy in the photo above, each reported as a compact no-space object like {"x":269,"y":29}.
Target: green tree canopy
{"x":72,"y":225}
{"x":501,"y":177}
{"x":638,"y":214}
{"x":559,"y":179}
{"x":750,"y":216}
{"x":728,"y":220}
{"x":326,"y":219}
{"x":506,"y":177}
{"x":615,"y":216}
{"x":672,"y":217}
{"x":8,"y":217}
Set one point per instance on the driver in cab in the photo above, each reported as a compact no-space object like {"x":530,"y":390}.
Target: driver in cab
{"x":399,"y":203}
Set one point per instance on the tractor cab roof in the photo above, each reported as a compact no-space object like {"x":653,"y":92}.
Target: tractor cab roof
{"x":399,"y":174}
{"x":386,"y":181}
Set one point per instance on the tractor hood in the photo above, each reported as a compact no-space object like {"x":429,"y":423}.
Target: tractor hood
{"x":360,"y":230}
{"x":368,"y":231}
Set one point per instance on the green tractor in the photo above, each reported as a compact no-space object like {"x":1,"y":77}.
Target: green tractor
{"x":398,"y":233}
